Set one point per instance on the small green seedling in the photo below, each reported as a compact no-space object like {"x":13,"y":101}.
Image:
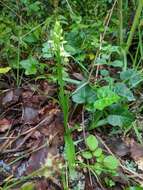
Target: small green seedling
{"x":103,"y":163}
{"x":4,"y":70}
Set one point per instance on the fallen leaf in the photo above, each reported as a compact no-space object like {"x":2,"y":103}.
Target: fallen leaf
{"x":137,"y":153}
{"x":118,"y":146}
{"x":11,"y":97}
{"x":5,"y":124}
{"x":30,"y":115}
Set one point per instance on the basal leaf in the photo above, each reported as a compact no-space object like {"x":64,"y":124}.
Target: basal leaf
{"x":92,"y":142}
{"x":105,"y":102}
{"x":97,"y":152}
{"x":84,"y":95}
{"x":111,"y":162}
{"x":132,"y":77}
{"x":122,"y":90}
{"x":87,"y":155}
{"x":106,"y":97}
{"x":30,"y":65}
{"x":120,"y":120}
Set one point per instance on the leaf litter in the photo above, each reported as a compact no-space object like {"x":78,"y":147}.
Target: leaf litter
{"x":32,"y":133}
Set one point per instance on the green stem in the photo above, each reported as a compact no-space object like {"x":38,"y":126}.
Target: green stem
{"x":120,"y":2}
{"x":134,"y":25}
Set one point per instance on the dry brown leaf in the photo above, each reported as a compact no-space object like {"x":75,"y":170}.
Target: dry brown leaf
{"x":137,"y":153}
{"x":5,"y":124}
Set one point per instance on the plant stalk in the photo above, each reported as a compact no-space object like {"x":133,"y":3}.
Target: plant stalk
{"x":134,"y":25}
{"x":120,"y":4}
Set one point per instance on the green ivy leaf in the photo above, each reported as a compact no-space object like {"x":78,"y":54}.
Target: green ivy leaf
{"x":92,"y":142}
{"x":87,"y":155}
{"x":119,"y":120}
{"x":105,"y":102}
{"x":30,"y":65}
{"x":111,"y":162}
{"x":122,"y":90}
{"x":84,"y":95}
{"x":106,"y":97}
{"x":132,"y":76}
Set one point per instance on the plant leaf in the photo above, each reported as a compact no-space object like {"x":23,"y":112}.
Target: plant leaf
{"x":122,"y":90}
{"x":87,"y":155}
{"x":119,"y":120}
{"x":97,"y":152}
{"x":117,"y":63}
{"x":70,"y":152}
{"x":4,"y":70}
{"x":111,"y":162}
{"x":106,"y":97}
{"x":92,"y":142}
{"x":46,"y":50}
{"x":134,"y":188}
{"x":84,"y":95}
{"x":30,"y":65}
{"x":132,"y":76}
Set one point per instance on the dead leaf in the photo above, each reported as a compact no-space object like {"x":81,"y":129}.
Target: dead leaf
{"x":30,"y":114}
{"x":118,"y":146}
{"x":78,"y":76}
{"x":137,"y":153}
{"x":5,"y":124}
{"x":11,"y":97}
{"x":48,"y":89}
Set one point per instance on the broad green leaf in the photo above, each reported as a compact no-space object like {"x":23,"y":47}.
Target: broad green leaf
{"x":111,"y":162}
{"x":31,"y":38}
{"x":100,"y":159}
{"x":119,"y":120}
{"x":105,"y":102}
{"x":134,"y":188}
{"x":106,"y":97}
{"x":133,"y":77}
{"x":84,"y":95}
{"x":119,"y":115}
{"x":97,"y":152}
{"x":117,"y":63}
{"x":122,"y":90}
{"x":87,"y":155}
{"x":70,"y":49}
{"x":4,"y":70}
{"x":104,"y":92}
{"x":101,"y":61}
{"x":28,"y":186}
{"x":119,"y":109}
{"x":104,"y":72}
{"x":30,"y":65}
{"x":92,"y":142}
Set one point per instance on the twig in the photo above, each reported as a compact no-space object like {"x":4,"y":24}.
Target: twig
{"x":122,"y":166}
{"x":101,"y":41}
